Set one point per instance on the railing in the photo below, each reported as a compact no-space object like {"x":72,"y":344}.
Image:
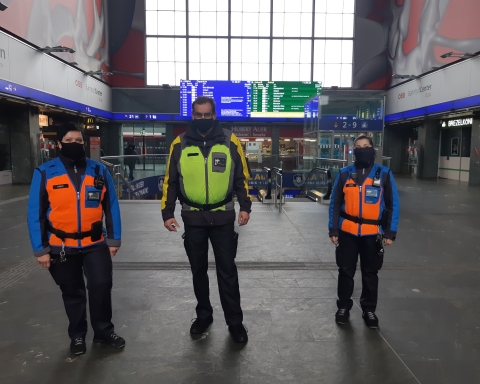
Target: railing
{"x":278,"y":188}
{"x":117,"y":175}
{"x":143,"y":180}
{"x":290,"y":162}
{"x":333,"y":165}
{"x":266,"y":194}
{"x":386,"y":161}
{"x":142,"y":165}
{"x":318,"y":185}
{"x":332,"y":162}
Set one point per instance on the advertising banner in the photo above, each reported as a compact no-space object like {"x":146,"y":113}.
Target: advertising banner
{"x":26,"y":72}
{"x":457,"y":82}
{"x":146,"y":187}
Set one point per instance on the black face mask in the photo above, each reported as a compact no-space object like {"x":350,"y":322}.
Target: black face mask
{"x":73,"y":151}
{"x":364,"y":157}
{"x":202,"y":125}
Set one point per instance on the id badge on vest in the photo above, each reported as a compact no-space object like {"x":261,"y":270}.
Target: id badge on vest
{"x":219,"y":162}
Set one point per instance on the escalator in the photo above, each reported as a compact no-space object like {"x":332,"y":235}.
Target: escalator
{"x":318,"y":185}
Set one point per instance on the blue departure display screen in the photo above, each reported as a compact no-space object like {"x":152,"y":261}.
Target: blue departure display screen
{"x":232,"y":98}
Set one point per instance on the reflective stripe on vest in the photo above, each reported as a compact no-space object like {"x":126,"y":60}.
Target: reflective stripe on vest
{"x":362,"y":201}
{"x":71,"y":214}
{"x":206,"y":181}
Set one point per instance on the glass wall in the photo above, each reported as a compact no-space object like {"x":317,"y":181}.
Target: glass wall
{"x":148,"y":139}
{"x":283,"y":147}
{"x":303,"y":40}
{"x":332,"y":122}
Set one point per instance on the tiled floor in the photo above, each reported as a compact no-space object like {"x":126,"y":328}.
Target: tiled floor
{"x":428,"y":303}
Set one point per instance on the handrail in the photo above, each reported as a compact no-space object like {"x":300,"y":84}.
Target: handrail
{"x":334,"y":160}
{"x":326,"y":195}
{"x":116,"y":170}
{"x":278,"y":187}
{"x":269,"y":183}
{"x":139,"y":155}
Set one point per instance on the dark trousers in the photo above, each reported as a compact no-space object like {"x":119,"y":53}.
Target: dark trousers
{"x":223,"y":242}
{"x":347,"y":256}
{"x":131,"y":168}
{"x":97,"y":267}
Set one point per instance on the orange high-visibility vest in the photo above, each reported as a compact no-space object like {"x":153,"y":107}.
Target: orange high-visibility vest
{"x":362,"y":201}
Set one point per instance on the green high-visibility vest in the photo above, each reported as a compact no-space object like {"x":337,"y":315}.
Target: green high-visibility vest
{"x":206,"y":180}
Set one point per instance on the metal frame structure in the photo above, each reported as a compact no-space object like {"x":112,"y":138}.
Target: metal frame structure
{"x":229,"y":37}
{"x":278,"y":199}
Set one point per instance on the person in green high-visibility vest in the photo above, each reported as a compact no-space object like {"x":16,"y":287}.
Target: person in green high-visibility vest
{"x":206,"y":166}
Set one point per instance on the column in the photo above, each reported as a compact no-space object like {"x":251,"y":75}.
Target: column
{"x":474,"y":153}
{"x":275,"y":146}
{"x":24,"y":141}
{"x":428,"y":145}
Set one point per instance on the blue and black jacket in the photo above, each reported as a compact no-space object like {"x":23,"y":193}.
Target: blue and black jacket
{"x":364,"y":202}
{"x":64,"y":198}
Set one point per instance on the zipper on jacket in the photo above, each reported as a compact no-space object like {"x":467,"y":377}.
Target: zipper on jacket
{"x":206,"y":171}
{"x":78,"y":204}
{"x":360,"y":225}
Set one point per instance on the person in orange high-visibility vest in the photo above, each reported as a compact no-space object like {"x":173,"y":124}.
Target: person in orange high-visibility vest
{"x":363,"y":216}
{"x":70,"y":197}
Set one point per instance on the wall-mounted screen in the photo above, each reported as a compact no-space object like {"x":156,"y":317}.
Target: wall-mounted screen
{"x":282,"y":99}
{"x":250,"y":99}
{"x":232,"y":98}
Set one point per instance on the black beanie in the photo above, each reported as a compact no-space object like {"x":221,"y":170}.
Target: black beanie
{"x":63,"y":129}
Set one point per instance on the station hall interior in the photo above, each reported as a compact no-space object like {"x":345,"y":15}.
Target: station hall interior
{"x":296,"y":81}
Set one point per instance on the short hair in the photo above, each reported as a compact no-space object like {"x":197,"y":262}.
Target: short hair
{"x":363,"y":137}
{"x":203,"y":100}
{"x":64,"y":128}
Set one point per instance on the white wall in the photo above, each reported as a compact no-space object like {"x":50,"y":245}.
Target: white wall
{"x":454,"y":164}
{"x":23,"y":65}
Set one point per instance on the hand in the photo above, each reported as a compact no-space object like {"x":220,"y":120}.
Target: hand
{"x":171,"y":225}
{"x":113,"y":250}
{"x":243,"y":218}
{"x":387,"y":242}
{"x":334,"y":239}
{"x":44,"y":260}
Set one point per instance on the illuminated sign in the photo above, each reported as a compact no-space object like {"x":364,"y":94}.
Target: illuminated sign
{"x":459,"y":122}
{"x":282,"y":99}
{"x":131,"y":117}
{"x":90,"y":123}
{"x":43,"y":120}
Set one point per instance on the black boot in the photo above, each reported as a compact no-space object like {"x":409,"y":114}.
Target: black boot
{"x":78,"y":346}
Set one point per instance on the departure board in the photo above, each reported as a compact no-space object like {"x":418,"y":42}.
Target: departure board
{"x":232,"y":98}
{"x":281,"y":99}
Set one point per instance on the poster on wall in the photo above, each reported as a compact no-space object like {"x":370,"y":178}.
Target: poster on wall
{"x":77,"y":24}
{"x":409,"y":37}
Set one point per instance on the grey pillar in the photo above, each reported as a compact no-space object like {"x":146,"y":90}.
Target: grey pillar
{"x":275,"y":146}
{"x":24,"y":141}
{"x":429,"y":145}
{"x":169,"y":136}
{"x":112,"y":139}
{"x":474,"y":158}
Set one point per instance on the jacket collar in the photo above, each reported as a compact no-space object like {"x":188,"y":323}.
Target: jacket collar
{"x":215,"y":136}
{"x":69,"y":163}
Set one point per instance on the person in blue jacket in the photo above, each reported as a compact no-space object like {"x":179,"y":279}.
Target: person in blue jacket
{"x":364,"y":214}
{"x":70,"y":197}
